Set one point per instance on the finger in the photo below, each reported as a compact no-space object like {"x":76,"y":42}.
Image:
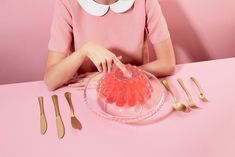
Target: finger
{"x":104,"y":66}
{"x":73,"y":79}
{"x":91,"y":73}
{"x":82,"y":75}
{"x":119,"y":57}
{"x":98,"y":66}
{"x":91,"y":86}
{"x":79,"y":84}
{"x":109,"y":64}
{"x":120,"y":65}
{"x":86,"y":74}
{"x":97,"y":63}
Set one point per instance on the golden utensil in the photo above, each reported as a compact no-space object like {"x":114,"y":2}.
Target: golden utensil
{"x":201,"y":92}
{"x":190,"y":99}
{"x":177,"y":105}
{"x":59,"y":122}
{"x":43,"y":122}
{"x":76,"y":124}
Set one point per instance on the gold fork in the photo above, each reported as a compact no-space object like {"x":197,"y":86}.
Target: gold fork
{"x":201,"y":92}
{"x":190,"y":99}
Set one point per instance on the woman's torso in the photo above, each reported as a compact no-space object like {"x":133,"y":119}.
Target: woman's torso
{"x":121,"y":33}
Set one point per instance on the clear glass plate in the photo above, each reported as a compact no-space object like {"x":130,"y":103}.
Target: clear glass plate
{"x":125,"y":114}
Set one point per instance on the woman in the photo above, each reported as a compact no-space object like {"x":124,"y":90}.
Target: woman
{"x":91,"y":35}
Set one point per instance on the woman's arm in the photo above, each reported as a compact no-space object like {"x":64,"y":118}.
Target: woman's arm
{"x":165,"y":62}
{"x":61,"y":68}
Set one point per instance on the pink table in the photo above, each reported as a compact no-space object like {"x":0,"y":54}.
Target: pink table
{"x":207,"y":132}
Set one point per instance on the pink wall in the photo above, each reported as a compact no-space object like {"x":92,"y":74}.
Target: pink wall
{"x":24,"y":33}
{"x":201,"y":30}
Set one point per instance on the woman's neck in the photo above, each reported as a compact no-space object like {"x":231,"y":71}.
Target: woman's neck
{"x":105,"y":1}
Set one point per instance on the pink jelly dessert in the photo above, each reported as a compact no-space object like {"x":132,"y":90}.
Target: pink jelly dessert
{"x":116,"y":88}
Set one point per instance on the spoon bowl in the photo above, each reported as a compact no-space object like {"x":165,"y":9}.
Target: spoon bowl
{"x":190,"y":99}
{"x":177,"y":105}
{"x":76,"y":124}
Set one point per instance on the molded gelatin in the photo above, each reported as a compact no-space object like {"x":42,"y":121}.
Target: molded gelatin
{"x":116,"y":88}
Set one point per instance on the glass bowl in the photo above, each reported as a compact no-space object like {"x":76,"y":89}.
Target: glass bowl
{"x":125,"y":114}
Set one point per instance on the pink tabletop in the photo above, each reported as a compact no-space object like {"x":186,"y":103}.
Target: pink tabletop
{"x":208,"y":131}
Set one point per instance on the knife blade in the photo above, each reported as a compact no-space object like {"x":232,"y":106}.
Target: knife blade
{"x":43,"y":122}
{"x":60,"y":127}
{"x":59,"y":121}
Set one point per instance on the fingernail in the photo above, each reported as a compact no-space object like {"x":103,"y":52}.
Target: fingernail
{"x":128,"y":74}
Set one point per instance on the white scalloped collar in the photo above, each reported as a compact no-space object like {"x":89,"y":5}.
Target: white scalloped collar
{"x":97,"y":9}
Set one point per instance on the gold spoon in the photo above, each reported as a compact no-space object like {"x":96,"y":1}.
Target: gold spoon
{"x":76,"y":124}
{"x":177,"y":105}
{"x":201,"y":93}
{"x":190,"y":99}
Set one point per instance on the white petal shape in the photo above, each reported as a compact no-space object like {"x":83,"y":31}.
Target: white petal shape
{"x":93,"y":8}
{"x":97,"y":9}
{"x":122,"y":5}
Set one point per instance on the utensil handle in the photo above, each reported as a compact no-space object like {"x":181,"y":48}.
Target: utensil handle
{"x":40,"y":101}
{"x":184,"y":88}
{"x":68,"y":98}
{"x":56,"y":106}
{"x":197,"y":84}
{"x":167,"y":86}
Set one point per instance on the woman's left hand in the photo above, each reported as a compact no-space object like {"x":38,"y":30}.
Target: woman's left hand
{"x":81,"y":80}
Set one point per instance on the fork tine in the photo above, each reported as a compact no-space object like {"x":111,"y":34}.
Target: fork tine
{"x":192,"y":104}
{"x":204,"y":99}
{"x":201,"y":94}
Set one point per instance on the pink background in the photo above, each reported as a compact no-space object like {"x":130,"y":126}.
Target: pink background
{"x":201,"y":30}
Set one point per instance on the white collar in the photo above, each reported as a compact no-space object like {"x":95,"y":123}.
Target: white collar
{"x":97,"y":9}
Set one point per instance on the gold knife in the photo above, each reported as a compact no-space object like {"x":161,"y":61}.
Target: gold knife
{"x":59,"y":122}
{"x":43,"y":122}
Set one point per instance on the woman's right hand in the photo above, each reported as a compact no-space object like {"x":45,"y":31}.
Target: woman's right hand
{"x":102,"y":58}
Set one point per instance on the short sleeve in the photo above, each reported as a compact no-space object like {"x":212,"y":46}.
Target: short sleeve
{"x":156,"y":23}
{"x":61,"y":29}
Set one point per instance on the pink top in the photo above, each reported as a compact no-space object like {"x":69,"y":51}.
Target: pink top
{"x":120,"y":27}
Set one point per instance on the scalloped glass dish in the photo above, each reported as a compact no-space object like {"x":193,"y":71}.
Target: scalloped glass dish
{"x":125,"y":114}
